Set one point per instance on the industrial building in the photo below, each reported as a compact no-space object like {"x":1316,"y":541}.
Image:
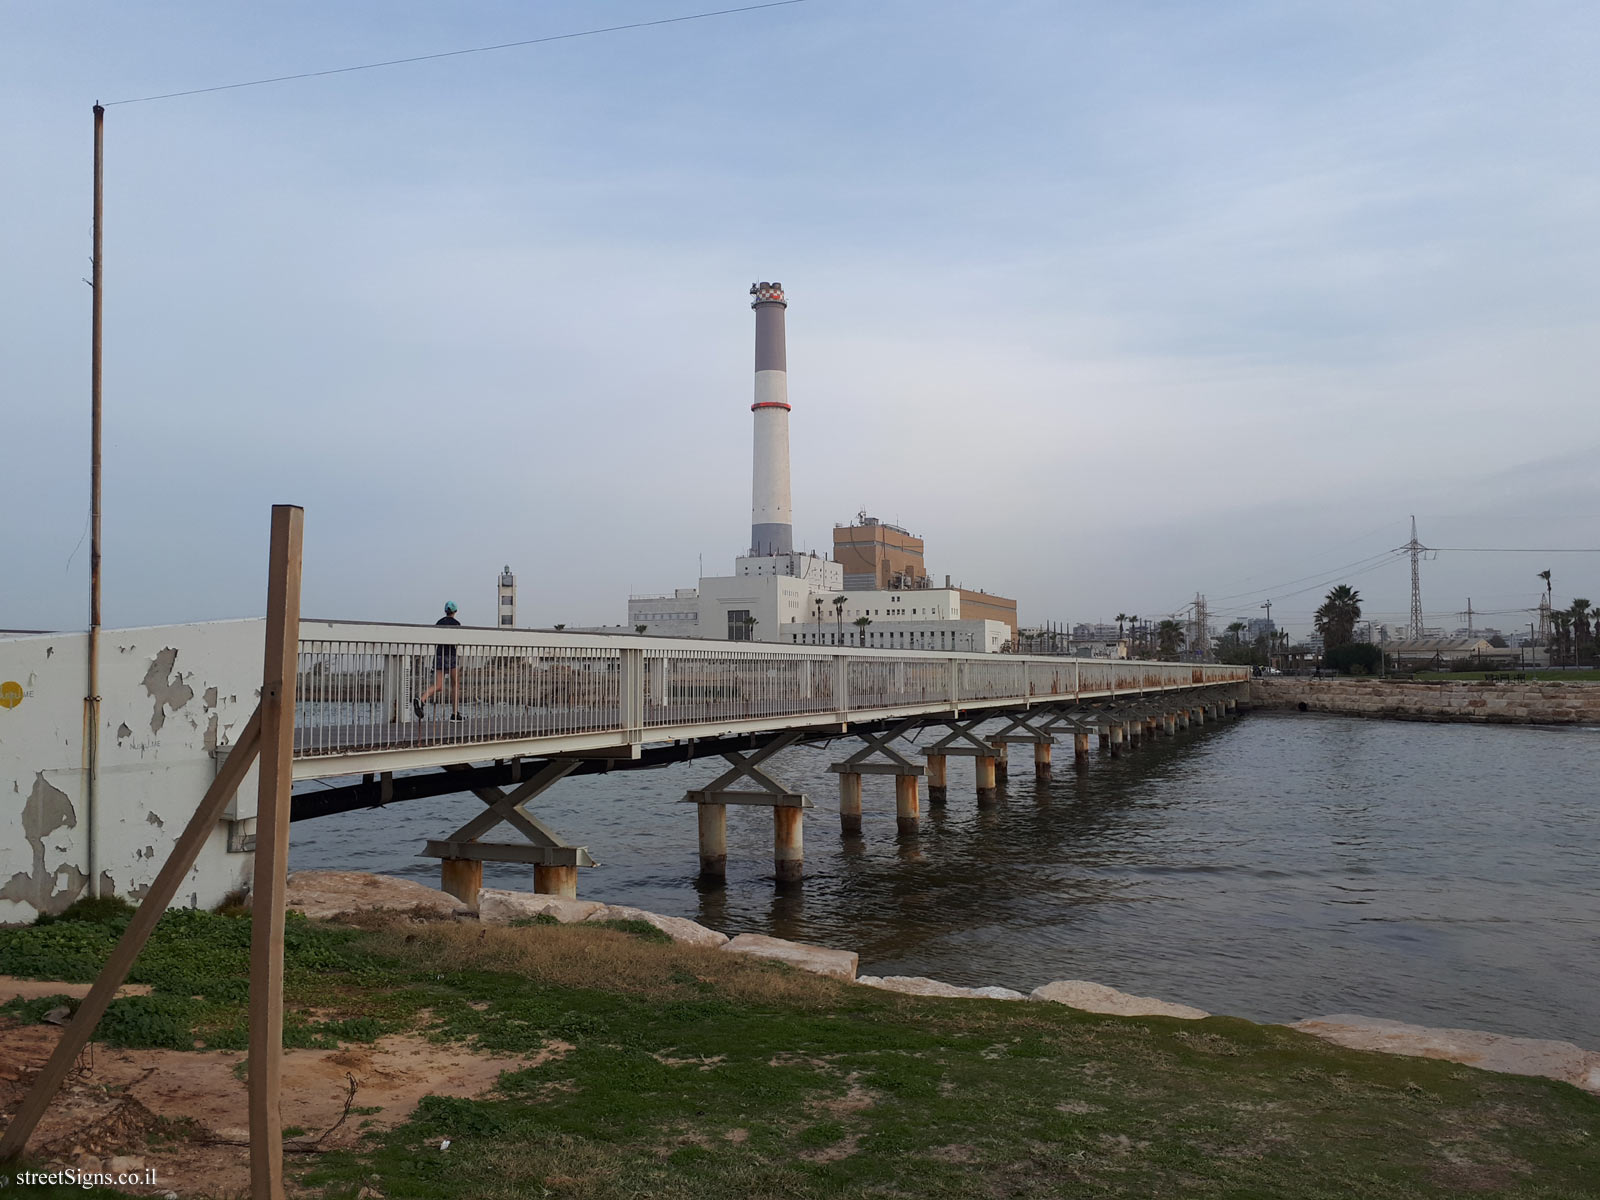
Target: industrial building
{"x":875,"y":591}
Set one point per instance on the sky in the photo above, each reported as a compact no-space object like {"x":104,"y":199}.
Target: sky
{"x":1113,"y":303}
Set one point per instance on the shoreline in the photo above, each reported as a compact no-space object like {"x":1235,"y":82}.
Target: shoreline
{"x":328,"y":894}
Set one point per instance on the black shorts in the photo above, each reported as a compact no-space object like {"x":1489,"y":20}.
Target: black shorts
{"x":444,"y":658}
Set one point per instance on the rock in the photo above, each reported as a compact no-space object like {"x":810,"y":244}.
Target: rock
{"x":497,"y":907}
{"x":59,"y":1015}
{"x":1098,"y":998}
{"x":329,"y":893}
{"x":1472,"y":1047}
{"x":124,"y":1164}
{"x":819,"y":960}
{"x":917,"y":985}
{"x":679,"y":929}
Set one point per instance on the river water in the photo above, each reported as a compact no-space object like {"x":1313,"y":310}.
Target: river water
{"x":1274,"y":867}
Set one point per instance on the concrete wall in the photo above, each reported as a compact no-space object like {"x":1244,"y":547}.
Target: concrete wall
{"x":1532,"y":703}
{"x":170,"y":697}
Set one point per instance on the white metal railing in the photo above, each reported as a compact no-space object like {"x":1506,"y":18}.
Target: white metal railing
{"x":359,"y":686}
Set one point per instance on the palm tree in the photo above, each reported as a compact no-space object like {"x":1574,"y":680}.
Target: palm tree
{"x":838,"y":616}
{"x":861,"y":624}
{"x":1336,"y":618}
{"x":750,"y":624}
{"x":1545,"y":575}
{"x":819,"y":620}
{"x":1121,"y":617}
{"x":640,"y":628}
{"x":1580,"y":627}
{"x":1561,"y":633}
{"x":1170,"y":637}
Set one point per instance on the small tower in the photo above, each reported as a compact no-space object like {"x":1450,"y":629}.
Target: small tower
{"x":508,"y":598}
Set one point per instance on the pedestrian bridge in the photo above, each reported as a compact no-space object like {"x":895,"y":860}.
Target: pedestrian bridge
{"x":541,"y":693}
{"x":534,"y":706}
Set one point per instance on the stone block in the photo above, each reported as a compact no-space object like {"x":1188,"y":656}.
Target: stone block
{"x":499,"y":907}
{"x":327,"y":894}
{"x":1472,"y":1047}
{"x":1098,"y":998}
{"x":917,"y":985}
{"x":679,"y":929}
{"x":841,"y":964}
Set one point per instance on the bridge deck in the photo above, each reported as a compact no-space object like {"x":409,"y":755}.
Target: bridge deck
{"x":532,"y":693}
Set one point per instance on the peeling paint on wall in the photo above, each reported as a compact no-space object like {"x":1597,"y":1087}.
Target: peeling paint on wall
{"x":210,"y":740}
{"x":123,"y":731}
{"x":48,"y":809}
{"x":210,"y":697}
{"x":167,"y":692}
{"x":155,"y":820}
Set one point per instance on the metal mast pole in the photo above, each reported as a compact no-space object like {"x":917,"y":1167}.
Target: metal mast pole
{"x":1415,"y":547}
{"x":91,"y":703}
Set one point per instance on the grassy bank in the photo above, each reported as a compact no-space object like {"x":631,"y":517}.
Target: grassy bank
{"x":657,"y":1070}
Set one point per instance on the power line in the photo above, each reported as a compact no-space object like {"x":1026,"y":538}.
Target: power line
{"x":1516,"y":549}
{"x":396,"y":62}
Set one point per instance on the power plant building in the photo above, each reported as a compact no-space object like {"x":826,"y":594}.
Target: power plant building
{"x":876,"y":576}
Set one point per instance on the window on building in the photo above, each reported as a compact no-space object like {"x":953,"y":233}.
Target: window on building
{"x":507,"y":601}
{"x":505,"y":618}
{"x":739,"y":625}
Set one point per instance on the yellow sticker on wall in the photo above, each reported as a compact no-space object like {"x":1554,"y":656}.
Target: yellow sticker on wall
{"x":10,"y":694}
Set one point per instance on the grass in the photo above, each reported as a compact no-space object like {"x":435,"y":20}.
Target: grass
{"x":669,"y":1071}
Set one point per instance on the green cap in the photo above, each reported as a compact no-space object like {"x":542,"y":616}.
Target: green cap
{"x":449,"y":606}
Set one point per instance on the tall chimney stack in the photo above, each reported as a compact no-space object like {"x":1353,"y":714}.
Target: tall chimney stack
{"x":771,"y":520}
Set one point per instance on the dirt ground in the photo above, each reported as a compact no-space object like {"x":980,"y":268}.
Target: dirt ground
{"x":117,"y":1101}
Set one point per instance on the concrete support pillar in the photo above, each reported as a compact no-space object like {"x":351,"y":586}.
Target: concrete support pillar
{"x":1041,"y":759}
{"x":986,"y":780}
{"x":713,"y":841}
{"x":849,"y":803}
{"x":938,"y":781}
{"x":1198,"y":714}
{"x":907,"y":805}
{"x":1130,"y":733}
{"x":1151,"y":728}
{"x":1116,"y":739}
{"x":462,"y":878}
{"x":1002,"y":762}
{"x":1232,"y":706}
{"x":788,"y":846}
{"x":1169,"y":724}
{"x":1103,"y":736}
{"x":1183,"y":718}
{"x":555,"y":881}
{"x":1080,"y":747}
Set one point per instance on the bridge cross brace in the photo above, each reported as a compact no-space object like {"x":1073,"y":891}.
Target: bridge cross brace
{"x":907,"y":803}
{"x":1035,"y":727}
{"x":787,"y":807}
{"x":463,"y":853}
{"x":961,"y":741}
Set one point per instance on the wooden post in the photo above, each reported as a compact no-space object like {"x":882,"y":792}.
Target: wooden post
{"x":1002,"y":762}
{"x":1080,"y":747}
{"x":713,"y":840}
{"x":788,"y":851}
{"x":938,"y":781}
{"x":907,"y":807}
{"x":172,"y":874}
{"x":267,"y":887}
{"x":461,"y":878}
{"x":849,"y":802}
{"x":987,"y":794}
{"x":1041,"y":759}
{"x":555,"y":881}
{"x":1116,"y":739}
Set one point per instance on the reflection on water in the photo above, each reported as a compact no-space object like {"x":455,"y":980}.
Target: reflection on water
{"x":1275,"y":867}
